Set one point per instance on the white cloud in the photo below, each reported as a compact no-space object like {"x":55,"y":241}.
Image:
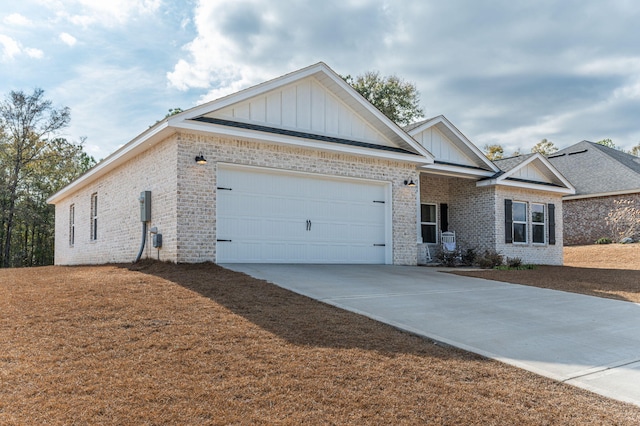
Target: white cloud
{"x":33,"y":52}
{"x":17,"y":20}
{"x":67,"y":39}
{"x":10,"y":48}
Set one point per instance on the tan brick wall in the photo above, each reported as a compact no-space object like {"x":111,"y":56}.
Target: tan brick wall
{"x":585,"y":219}
{"x":540,"y":254}
{"x":119,"y":227}
{"x":196,"y":187}
{"x":184,"y":195}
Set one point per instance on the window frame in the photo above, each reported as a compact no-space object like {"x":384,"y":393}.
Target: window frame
{"x":520,"y":222}
{"x":543,"y":224}
{"x":72,"y":225}
{"x":434,"y":223}
{"x":94,"y":217}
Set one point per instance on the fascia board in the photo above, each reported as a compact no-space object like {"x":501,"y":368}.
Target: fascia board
{"x":124,"y":153}
{"x":213,"y":129}
{"x":546,"y":163}
{"x":442,"y":119}
{"x":450,"y":170}
{"x":603,"y":194}
{"x":524,"y":185}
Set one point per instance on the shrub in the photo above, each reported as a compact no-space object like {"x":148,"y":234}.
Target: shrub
{"x":603,"y":240}
{"x":490,"y":259}
{"x":514,"y":262}
{"x":449,"y":258}
{"x":468,"y":257}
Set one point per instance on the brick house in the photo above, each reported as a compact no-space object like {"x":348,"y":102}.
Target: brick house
{"x":302,"y":169}
{"x":602,"y":177}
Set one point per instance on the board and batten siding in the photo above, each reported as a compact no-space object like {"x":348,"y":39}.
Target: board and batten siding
{"x":306,"y":106}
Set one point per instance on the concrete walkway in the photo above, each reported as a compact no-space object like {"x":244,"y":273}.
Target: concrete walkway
{"x":586,"y":341}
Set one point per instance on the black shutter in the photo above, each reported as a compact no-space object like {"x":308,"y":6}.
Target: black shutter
{"x":508,"y":222}
{"x":444,"y":217}
{"x":552,"y":223}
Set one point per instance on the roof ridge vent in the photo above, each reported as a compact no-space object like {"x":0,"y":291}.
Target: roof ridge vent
{"x":578,"y":152}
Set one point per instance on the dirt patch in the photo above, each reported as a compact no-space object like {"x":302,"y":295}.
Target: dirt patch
{"x":198,"y":344}
{"x":610,"y":271}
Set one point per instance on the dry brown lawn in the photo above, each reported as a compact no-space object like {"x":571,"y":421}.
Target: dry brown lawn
{"x":611,"y":271}
{"x":196,"y":344}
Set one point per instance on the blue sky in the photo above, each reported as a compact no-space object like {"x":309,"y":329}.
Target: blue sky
{"x":502,"y":71}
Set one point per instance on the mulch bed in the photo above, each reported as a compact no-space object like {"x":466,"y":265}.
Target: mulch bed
{"x":197,"y":344}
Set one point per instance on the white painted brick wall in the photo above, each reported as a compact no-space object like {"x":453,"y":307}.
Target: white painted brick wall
{"x":119,"y":226}
{"x":184,"y":195}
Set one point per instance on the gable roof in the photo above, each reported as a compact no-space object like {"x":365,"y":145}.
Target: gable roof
{"x":365,"y":131}
{"x":454,"y":153}
{"x":311,"y":101}
{"x":597,"y":170}
{"x":531,"y":171}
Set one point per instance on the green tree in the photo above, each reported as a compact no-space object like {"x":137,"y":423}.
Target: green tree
{"x":607,"y":142}
{"x":399,"y":100}
{"x":544,"y":147}
{"x":33,"y":164}
{"x":493,"y":151}
{"x":635,"y":150}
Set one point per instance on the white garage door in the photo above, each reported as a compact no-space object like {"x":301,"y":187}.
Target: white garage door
{"x":269,"y":216}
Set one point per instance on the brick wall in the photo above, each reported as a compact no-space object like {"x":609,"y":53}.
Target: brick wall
{"x":196,"y":220}
{"x":585,"y":219}
{"x":184,"y":196}
{"x":119,"y":226}
{"x":540,"y":254}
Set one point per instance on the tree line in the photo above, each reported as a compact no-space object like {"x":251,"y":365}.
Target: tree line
{"x":35,"y":162}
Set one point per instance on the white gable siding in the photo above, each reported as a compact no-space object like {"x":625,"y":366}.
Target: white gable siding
{"x":306,"y":106}
{"x":442,"y":148}
{"x":531,"y":172}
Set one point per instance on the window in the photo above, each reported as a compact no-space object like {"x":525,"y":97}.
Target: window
{"x":94,"y":216}
{"x":519,"y":222}
{"x":72,"y":225}
{"x":538,"y":231}
{"x":428,"y":223}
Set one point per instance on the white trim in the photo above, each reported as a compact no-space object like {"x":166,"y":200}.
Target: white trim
{"x":258,"y":136}
{"x":524,"y":185}
{"x":602,"y":194}
{"x":456,"y":171}
{"x":539,"y":157}
{"x":442,"y":119}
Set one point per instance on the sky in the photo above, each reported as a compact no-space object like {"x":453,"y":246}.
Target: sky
{"x":503,"y":72}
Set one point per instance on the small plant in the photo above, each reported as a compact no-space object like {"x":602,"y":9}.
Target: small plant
{"x":468,"y":258}
{"x":521,"y":267}
{"x":603,"y":240}
{"x":514,"y":262}
{"x":490,"y":259}
{"x":449,"y":258}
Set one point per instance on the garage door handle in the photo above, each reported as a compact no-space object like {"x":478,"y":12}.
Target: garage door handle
{"x":223,"y":241}
{"x":379,"y":245}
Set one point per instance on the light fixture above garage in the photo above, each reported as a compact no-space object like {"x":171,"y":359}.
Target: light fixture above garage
{"x":409,"y":183}
{"x":200,"y":159}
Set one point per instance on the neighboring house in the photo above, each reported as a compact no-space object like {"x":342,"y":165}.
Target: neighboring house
{"x":302,"y":169}
{"x":602,"y":176}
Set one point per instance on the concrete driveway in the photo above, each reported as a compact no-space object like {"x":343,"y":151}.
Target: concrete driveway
{"x":586,"y":341}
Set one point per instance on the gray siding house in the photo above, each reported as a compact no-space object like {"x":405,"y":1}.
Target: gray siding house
{"x":603,"y":177}
{"x":302,"y":169}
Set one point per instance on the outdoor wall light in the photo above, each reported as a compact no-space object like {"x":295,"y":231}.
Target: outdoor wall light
{"x":409,"y":182}
{"x":200,"y":159}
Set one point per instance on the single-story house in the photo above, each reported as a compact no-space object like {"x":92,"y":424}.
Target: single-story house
{"x":303,"y":169}
{"x":603,"y":178}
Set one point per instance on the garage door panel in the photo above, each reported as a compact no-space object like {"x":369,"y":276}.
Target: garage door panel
{"x":282,"y":217}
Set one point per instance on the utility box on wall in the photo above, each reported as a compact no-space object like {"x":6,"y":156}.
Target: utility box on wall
{"x":157,"y":240}
{"x":145,"y":206}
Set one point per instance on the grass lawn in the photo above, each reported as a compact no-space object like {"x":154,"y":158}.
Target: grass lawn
{"x":197,"y":344}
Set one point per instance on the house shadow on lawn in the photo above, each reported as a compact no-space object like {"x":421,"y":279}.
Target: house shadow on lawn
{"x":296,"y":318}
{"x":617,"y":284}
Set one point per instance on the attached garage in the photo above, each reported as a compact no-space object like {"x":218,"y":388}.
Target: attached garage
{"x":276,"y":216}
